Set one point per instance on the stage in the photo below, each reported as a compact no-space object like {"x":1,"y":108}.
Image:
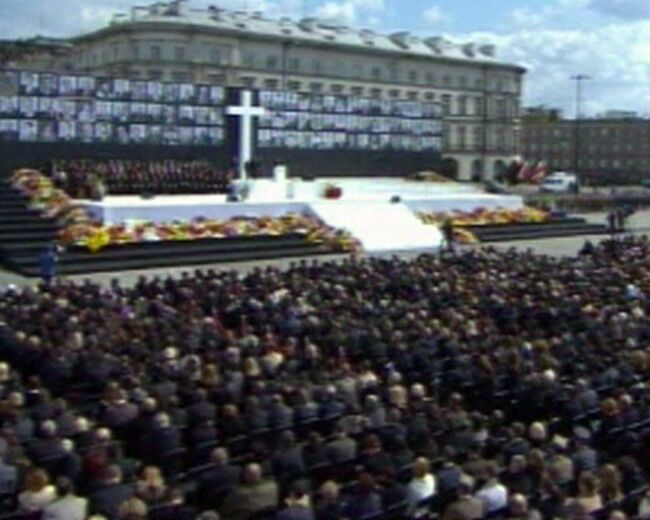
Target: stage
{"x":380,"y":212}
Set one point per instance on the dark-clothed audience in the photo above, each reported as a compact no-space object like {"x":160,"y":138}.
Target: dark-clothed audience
{"x":499,"y":385}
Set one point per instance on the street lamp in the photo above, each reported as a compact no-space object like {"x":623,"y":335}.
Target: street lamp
{"x":578,"y":78}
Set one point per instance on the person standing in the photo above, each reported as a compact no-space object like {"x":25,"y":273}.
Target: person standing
{"x":48,"y":261}
{"x":448,"y":234}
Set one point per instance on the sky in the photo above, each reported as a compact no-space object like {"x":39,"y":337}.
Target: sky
{"x":608,"y":40}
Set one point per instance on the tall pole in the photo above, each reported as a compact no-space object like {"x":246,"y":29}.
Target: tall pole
{"x":578,"y":78}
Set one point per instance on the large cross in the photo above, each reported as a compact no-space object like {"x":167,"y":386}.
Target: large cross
{"x":246,"y":112}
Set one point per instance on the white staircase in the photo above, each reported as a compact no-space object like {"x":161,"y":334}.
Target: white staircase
{"x":379,"y":226}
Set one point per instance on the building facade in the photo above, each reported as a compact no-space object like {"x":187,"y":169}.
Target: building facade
{"x":480,"y":96}
{"x":608,"y":151}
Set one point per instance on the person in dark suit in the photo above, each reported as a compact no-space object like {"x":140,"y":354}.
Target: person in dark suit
{"x":342,"y":447}
{"x":366,"y":501}
{"x":106,"y":500}
{"x":47,"y":446}
{"x":201,"y":410}
{"x":219,"y":479}
{"x":164,"y":438}
{"x":288,"y":462}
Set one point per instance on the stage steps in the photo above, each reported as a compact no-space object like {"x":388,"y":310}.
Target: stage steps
{"x":22,"y":229}
{"x":172,"y":254}
{"x":379,"y":225}
{"x":557,"y":228}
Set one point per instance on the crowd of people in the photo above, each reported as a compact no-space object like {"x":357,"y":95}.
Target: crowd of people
{"x":93,"y":179}
{"x":483,"y":384}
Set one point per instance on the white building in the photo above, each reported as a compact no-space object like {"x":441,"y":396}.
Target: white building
{"x":173,"y":41}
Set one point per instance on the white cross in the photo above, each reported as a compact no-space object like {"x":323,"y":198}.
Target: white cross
{"x":246,"y":112}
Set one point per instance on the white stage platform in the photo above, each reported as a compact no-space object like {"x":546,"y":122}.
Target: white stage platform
{"x":364,"y":208}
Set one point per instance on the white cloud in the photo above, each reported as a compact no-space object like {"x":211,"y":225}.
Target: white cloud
{"x":615,"y":56}
{"x":434,"y":15}
{"x":348,"y":11}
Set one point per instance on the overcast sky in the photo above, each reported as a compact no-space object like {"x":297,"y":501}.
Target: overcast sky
{"x":607,"y":39}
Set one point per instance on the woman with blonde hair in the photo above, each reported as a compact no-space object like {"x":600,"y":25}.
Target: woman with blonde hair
{"x":38,"y":491}
{"x":610,"y":488}
{"x":421,"y":486}
{"x":588,"y":497}
{"x":151,"y":486}
{"x":133,"y":509}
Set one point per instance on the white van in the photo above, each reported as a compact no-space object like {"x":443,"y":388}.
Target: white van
{"x":560,"y":182}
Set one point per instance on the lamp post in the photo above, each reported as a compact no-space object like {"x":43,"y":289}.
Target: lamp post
{"x":578,"y":78}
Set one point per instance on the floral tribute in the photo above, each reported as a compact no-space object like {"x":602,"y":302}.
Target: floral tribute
{"x":79,"y":230}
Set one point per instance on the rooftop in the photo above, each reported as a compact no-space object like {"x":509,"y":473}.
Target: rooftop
{"x":312,"y":30}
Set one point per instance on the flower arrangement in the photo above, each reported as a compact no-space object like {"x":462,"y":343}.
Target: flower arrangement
{"x":78,"y":229}
{"x":45,"y":197}
{"x":484,"y":217}
{"x":95,"y":237}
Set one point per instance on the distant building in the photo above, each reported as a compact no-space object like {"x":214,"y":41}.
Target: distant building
{"x":542,"y":112}
{"x":610,"y":151}
{"x":171,"y":41}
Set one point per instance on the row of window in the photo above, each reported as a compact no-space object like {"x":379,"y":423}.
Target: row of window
{"x":219,"y":55}
{"x":464,"y":138}
{"x":152,"y":52}
{"x":357,"y":70}
{"x":609,"y":132}
{"x":616,"y":164}
{"x":567,"y":147}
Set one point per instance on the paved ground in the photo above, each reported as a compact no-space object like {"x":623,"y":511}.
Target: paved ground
{"x":639,"y":223}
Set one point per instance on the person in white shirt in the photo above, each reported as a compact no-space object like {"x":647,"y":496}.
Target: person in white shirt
{"x":493,"y":494}
{"x":68,"y":506}
{"x":38,"y":491}
{"x":421,"y":486}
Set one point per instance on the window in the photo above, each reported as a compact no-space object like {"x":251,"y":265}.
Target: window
{"x":215,"y":55}
{"x":462,"y":82}
{"x":394,"y":74}
{"x":116,"y":52}
{"x":430,"y":78}
{"x":413,"y":95}
{"x":249,"y":59}
{"x":248,"y":81}
{"x":413,"y":76}
{"x":135,"y":52}
{"x":357,"y":70}
{"x":271,"y":83}
{"x":375,"y":93}
{"x":294,"y":85}
{"x":179,"y":53}
{"x":478,"y":106}
{"x":356,"y":91}
{"x":446,"y":80}
{"x":272,"y":62}
{"x":446,"y":105}
{"x":316,"y":86}
{"x":462,"y":105}
{"x":478,"y":137}
{"x":430,"y":96}
{"x":294,"y":64}
{"x":445,"y":136}
{"x":155,"y":75}
{"x":316,"y":65}
{"x":154,"y":52}
{"x":337,"y":88}
{"x":478,"y":83}
{"x":502,"y":109}
{"x":376,"y":73}
{"x":461,"y":137}
{"x":394,"y":93}
{"x":181,"y":77}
